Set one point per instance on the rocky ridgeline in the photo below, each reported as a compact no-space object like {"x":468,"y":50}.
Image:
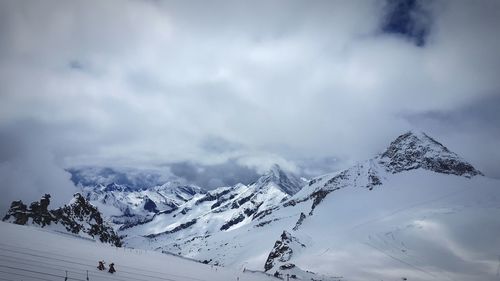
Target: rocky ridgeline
{"x":79,"y":217}
{"x":414,"y":150}
{"x":409,"y":151}
{"x":282,"y":252}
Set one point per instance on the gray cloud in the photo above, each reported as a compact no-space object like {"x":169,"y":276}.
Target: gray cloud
{"x":211,"y":176}
{"x":257,"y":83}
{"x":28,"y":168}
{"x":130,"y":177}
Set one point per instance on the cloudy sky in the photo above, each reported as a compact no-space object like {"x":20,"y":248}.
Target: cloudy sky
{"x":216,"y":92}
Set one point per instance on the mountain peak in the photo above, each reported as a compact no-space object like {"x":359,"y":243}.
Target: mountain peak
{"x":287,"y":182}
{"x":275,"y":170}
{"x":112,"y":187}
{"x":415,"y":149}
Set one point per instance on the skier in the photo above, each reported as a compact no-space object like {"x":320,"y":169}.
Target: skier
{"x":101,"y":265}
{"x":111,"y":268}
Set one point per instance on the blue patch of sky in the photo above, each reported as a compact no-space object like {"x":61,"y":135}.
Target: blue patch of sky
{"x":409,"y":19}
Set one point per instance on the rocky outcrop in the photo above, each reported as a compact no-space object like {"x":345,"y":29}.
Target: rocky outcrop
{"x":212,"y":196}
{"x":410,"y":151}
{"x":282,"y":251}
{"x":299,"y":221}
{"x":78,"y":217}
{"x":234,"y":221}
{"x":37,"y":213}
{"x":414,"y":150}
{"x":150,"y":205}
{"x":175,"y":229}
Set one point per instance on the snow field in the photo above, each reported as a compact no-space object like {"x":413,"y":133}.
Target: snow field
{"x":28,"y":253}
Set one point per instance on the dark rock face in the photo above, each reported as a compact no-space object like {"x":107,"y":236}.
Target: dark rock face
{"x":287,"y":266}
{"x":417,"y":150}
{"x":150,"y":206}
{"x":137,"y":222}
{"x":264,"y":213}
{"x":252,"y":210}
{"x":175,"y":229}
{"x":264,"y":223}
{"x":237,"y":203}
{"x":212,"y":197}
{"x":317,"y":197}
{"x":373,"y":180}
{"x":232,"y":222}
{"x":38,"y":212}
{"x":78,"y":217}
{"x":282,"y":251}
{"x":18,"y":212}
{"x":300,"y":221}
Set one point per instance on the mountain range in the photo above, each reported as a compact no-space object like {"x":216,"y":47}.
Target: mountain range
{"x":416,"y":211}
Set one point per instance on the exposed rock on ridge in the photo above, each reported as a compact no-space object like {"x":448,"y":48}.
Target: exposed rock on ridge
{"x":414,"y":150}
{"x":79,"y":217}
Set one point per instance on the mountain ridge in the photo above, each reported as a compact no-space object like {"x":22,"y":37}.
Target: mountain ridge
{"x":261,"y":224}
{"x":414,"y":150}
{"x":78,"y":217}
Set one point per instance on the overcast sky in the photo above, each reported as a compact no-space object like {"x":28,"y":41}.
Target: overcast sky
{"x":203,"y":90}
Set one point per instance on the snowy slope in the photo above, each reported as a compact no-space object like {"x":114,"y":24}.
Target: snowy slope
{"x":418,"y":225}
{"x":188,"y":230}
{"x":415,"y":211}
{"x":32,"y":254}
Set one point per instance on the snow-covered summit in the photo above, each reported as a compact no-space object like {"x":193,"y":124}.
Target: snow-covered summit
{"x":287,"y":182}
{"x":177,"y":189}
{"x":125,"y":206}
{"x":112,"y":187}
{"x":409,"y":151}
{"x":414,"y":150}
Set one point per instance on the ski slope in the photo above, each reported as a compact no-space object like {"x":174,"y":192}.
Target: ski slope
{"x":29,"y":254}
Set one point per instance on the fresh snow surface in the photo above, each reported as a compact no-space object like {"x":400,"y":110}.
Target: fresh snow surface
{"x":418,"y":225}
{"x":32,"y":254}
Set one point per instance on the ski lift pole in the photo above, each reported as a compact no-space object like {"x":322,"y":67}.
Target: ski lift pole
{"x":66,"y":278}
{"x":87,"y":275}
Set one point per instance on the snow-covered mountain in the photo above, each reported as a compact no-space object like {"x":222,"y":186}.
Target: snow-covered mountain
{"x":126,"y":207}
{"x":416,"y":211}
{"x":387,"y":217}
